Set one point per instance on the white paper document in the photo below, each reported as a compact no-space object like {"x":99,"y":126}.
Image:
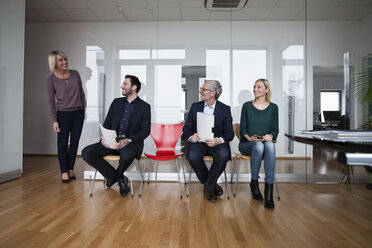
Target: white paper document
{"x":204,"y":126}
{"x":109,"y":136}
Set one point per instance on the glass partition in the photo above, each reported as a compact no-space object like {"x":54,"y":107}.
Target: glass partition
{"x":172,"y":59}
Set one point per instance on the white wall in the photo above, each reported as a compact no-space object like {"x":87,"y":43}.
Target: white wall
{"x":12,"y":17}
{"x":39,"y":137}
{"x":327,"y":41}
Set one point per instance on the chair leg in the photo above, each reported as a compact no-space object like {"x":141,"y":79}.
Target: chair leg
{"x":189,"y":183}
{"x":156,"y":174}
{"x":237,"y":177}
{"x":226,"y":188}
{"x":143,"y":179}
{"x":277,"y":188}
{"x":233,"y":169}
{"x":179,"y":179}
{"x":183,"y":170}
{"x":131,"y":180}
{"x":94,"y":180}
{"x":149,"y":172}
{"x":140,"y":169}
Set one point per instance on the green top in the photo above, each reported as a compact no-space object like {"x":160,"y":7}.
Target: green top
{"x":259,"y":122}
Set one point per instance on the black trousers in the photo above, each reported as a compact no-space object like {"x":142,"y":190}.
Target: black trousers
{"x":71,"y":124}
{"x":93,"y":155}
{"x":196,"y":152}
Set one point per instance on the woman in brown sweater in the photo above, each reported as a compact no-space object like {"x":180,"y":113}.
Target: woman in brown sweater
{"x":66,"y":100}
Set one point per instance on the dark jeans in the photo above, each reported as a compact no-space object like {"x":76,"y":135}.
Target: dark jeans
{"x":93,"y":155}
{"x":195,"y":153}
{"x":71,"y":124}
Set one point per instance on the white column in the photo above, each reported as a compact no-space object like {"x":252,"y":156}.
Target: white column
{"x":12,"y":25}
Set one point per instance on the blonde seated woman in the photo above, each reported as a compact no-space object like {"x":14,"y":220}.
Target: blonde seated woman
{"x":259,"y":130}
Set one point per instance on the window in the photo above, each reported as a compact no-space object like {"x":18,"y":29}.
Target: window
{"x":329,"y":101}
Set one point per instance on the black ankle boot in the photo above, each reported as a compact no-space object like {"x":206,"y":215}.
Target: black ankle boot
{"x":269,"y":201}
{"x":256,"y":191}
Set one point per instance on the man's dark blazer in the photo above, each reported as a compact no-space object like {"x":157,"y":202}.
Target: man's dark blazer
{"x":139,"y":125}
{"x":222,"y":122}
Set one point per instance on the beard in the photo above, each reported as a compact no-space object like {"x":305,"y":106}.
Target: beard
{"x":128,"y":92}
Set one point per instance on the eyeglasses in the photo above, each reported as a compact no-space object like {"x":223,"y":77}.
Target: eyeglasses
{"x":204,"y":89}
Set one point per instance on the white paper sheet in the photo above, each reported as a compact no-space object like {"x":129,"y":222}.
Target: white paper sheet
{"x":109,"y":136}
{"x":204,"y":126}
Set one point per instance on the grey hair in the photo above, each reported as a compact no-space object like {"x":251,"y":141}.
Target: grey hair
{"x":216,"y":86}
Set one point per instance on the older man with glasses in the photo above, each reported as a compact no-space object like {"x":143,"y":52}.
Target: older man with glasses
{"x":218,"y":147}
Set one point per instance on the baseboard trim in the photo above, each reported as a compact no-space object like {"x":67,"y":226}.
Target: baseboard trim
{"x":10,"y":176}
{"x":142,"y":157}
{"x":243,"y":178}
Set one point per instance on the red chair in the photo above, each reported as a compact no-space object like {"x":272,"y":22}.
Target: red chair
{"x":165,"y":138}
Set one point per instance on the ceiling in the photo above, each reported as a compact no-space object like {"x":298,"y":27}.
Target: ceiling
{"x":192,"y":10}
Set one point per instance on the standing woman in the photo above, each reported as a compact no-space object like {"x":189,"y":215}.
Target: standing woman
{"x":259,"y":130}
{"x":66,"y":102}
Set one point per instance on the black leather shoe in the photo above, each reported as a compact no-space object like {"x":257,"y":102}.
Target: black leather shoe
{"x":218,"y":190}
{"x":109,"y":183}
{"x":255,"y":189}
{"x":211,"y":196}
{"x":123,"y":186}
{"x":269,"y":201}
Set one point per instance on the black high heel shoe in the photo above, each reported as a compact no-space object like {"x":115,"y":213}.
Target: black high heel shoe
{"x":72,"y":177}
{"x":65,"y":180}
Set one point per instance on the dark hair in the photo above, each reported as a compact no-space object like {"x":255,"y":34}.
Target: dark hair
{"x":134,"y":81}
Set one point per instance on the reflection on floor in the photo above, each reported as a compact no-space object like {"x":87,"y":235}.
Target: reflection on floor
{"x":325,"y":162}
{"x":37,"y":210}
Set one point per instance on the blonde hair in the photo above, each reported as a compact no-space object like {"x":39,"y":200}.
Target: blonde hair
{"x":52,"y":59}
{"x":267,"y":86}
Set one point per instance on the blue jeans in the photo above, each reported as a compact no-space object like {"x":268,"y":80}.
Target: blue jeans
{"x":258,"y":150}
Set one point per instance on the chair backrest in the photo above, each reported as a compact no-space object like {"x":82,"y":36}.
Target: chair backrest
{"x":236,"y":128}
{"x":166,"y":136}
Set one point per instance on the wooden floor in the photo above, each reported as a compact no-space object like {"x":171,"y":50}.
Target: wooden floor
{"x":39,"y":211}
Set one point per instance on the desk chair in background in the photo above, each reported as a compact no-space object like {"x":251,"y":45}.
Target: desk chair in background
{"x":165,"y":138}
{"x":240,"y":156}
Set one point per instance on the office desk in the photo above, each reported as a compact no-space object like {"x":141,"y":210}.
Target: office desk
{"x":355,"y":146}
{"x":344,"y":141}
